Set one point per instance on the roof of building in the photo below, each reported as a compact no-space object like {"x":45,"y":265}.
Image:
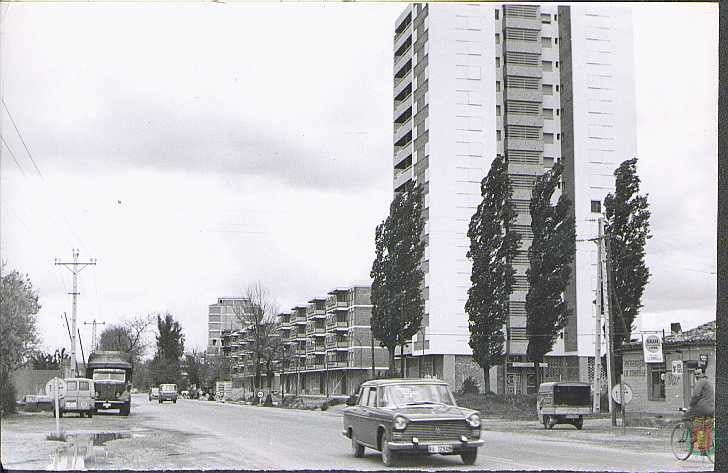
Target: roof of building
{"x":702,"y":334}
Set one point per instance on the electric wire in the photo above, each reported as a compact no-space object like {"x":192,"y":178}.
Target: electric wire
{"x":12,"y":155}
{"x":30,"y":155}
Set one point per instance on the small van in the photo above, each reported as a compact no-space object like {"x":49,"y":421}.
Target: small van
{"x":168,"y":392}
{"x":79,"y":396}
{"x":564,"y":403}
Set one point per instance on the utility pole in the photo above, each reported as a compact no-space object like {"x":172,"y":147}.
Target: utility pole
{"x":606,"y":305}
{"x":598,"y":324}
{"x":94,"y":345}
{"x":75,"y":267}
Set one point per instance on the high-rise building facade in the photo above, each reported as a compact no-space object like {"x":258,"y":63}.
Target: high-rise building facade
{"x":536,"y":84}
{"x":222,"y":316}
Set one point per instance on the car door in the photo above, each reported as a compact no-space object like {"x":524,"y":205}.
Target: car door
{"x":70,"y":399}
{"x":358,"y":415}
{"x":371,"y":418}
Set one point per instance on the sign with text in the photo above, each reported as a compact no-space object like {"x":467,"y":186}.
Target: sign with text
{"x":652,"y":347}
{"x":677,"y":367}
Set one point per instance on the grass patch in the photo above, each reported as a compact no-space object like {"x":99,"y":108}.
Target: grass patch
{"x":519,"y":407}
{"x":61,"y":437}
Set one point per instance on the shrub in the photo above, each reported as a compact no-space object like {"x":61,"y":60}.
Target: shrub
{"x":470,"y":386}
{"x":7,"y":396}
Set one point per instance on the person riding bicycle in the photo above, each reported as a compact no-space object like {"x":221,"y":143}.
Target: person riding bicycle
{"x":702,"y":402}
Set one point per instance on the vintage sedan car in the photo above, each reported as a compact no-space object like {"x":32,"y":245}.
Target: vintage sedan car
{"x":168,"y":392}
{"x":154,"y":393}
{"x":411,"y":415}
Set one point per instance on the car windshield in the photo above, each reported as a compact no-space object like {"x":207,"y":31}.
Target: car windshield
{"x":399,"y":395}
{"x":168,"y":387}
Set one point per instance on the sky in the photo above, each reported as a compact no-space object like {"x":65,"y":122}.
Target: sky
{"x":195,"y":149}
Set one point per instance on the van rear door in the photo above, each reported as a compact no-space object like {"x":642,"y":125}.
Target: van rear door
{"x":85,"y":394}
{"x":70,"y":399}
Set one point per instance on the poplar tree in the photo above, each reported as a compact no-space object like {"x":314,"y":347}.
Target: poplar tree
{"x":627,"y":227}
{"x":397,"y":276}
{"x":550,"y":257}
{"x":493,"y":245}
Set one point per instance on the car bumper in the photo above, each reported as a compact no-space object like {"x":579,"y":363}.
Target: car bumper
{"x":425,"y":446}
{"x":101,"y":405}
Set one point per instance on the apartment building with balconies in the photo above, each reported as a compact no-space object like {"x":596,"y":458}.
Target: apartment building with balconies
{"x":338,"y":350}
{"x":536,"y":84}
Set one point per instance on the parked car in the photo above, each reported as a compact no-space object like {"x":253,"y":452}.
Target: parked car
{"x":564,"y":403}
{"x":185,"y":394}
{"x":79,"y":396}
{"x":153,"y":394}
{"x":168,"y":392}
{"x":411,"y":415}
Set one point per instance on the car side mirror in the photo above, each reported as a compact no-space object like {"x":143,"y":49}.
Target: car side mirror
{"x":352,"y":400}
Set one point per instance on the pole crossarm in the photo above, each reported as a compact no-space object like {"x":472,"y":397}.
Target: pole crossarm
{"x":75,"y":267}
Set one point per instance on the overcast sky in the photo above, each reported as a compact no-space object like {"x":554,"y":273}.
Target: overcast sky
{"x":195,"y":149}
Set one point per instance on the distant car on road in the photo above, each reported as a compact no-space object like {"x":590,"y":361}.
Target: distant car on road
{"x":153,"y":394}
{"x":411,"y":415}
{"x":168,"y":392}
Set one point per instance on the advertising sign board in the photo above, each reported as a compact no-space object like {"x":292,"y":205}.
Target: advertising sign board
{"x":652,"y":347}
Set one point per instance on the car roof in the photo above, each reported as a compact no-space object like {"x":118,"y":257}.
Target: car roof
{"x":395,"y":381}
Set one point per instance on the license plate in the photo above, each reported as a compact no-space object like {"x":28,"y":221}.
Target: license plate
{"x":71,"y":404}
{"x":107,"y":405}
{"x":439,"y":448}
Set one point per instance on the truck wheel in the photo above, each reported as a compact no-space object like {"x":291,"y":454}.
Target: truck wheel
{"x":469,"y":456}
{"x":579,"y":424}
{"x":174,"y":401}
{"x":552,"y":422}
{"x":90,"y":414}
{"x":545,"y":422}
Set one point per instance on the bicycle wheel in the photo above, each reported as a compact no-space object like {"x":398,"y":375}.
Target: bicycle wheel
{"x":681,"y":441}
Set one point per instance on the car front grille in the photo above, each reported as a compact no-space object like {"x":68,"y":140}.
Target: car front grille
{"x":436,"y":431}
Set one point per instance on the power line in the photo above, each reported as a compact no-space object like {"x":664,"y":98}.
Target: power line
{"x":12,"y":155}
{"x":7,"y":110}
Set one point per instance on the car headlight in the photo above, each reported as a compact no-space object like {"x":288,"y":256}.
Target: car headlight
{"x":400,"y":423}
{"x":474,"y":420}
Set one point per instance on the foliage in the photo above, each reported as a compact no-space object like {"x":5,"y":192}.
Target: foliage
{"x":550,"y":256}
{"x":470,"y":386}
{"x":165,"y":365}
{"x":628,"y":229}
{"x":493,"y":244}
{"x":18,"y":308}
{"x":258,"y":315}
{"x":128,"y":336}
{"x":41,"y":360}
{"x":508,"y":406}
{"x":397,"y":283}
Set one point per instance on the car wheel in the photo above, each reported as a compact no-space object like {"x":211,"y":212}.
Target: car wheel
{"x":469,"y":456}
{"x":356,"y":448}
{"x":90,"y":414}
{"x":174,"y":401}
{"x":388,"y":456}
{"x":160,"y":400}
{"x":545,"y":422}
{"x":579,"y":423}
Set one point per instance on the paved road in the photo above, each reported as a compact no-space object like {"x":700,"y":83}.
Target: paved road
{"x":199,"y":434}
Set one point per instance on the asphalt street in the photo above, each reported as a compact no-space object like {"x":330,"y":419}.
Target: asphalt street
{"x":201,"y":434}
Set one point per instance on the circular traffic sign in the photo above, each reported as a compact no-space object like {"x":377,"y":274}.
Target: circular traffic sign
{"x":260,"y":394}
{"x":617,"y":393}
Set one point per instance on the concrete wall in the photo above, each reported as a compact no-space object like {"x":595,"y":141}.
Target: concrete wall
{"x":30,"y":381}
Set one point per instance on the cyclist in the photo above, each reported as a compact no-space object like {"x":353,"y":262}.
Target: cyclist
{"x":702,"y":402}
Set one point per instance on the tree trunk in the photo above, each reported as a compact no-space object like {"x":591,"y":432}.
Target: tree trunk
{"x":392,"y":368}
{"x":402,"y":373}
{"x":486,"y":380}
{"x":537,"y":367}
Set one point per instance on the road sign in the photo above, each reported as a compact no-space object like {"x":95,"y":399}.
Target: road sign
{"x":677,"y":367}
{"x":617,"y":393}
{"x":260,"y":394}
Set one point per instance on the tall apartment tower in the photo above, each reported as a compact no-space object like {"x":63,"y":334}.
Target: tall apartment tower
{"x":536,"y":84}
{"x":221,"y":317}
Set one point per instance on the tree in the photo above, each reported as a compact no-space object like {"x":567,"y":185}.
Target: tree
{"x":258,"y":315}
{"x":128,"y":336}
{"x":18,"y":308}
{"x":627,"y":228}
{"x":397,"y":275}
{"x":195,"y":367}
{"x":41,"y":360}
{"x":493,"y":245}
{"x":165,"y":366}
{"x":550,"y":257}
